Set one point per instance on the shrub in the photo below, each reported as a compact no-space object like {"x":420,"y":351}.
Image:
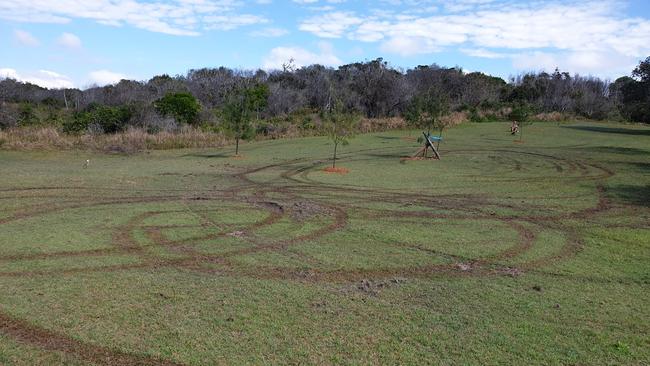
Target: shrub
{"x":182,"y":106}
{"x":26,"y":114}
{"x":99,"y":117}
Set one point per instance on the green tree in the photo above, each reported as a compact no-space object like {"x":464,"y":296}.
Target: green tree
{"x":426,"y":111}
{"x":520,"y":113}
{"x":182,"y":106}
{"x":642,"y":71}
{"x":637,"y":93}
{"x":237,"y":114}
{"x":257,"y":97}
{"x":340,"y":125}
{"x":110,"y":119}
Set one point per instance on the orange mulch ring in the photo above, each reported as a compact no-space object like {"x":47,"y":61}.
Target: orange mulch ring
{"x":336,"y":170}
{"x":238,"y":157}
{"x":409,"y":138}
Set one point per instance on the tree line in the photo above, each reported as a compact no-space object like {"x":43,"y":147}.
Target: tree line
{"x":218,"y":97}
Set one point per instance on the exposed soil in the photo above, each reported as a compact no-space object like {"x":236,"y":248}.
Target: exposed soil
{"x":416,"y":158}
{"x":336,"y":170}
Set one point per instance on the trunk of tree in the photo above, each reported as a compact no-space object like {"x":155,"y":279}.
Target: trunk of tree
{"x":237,"y":146}
{"x":334,"y":159}
{"x":65,"y":99}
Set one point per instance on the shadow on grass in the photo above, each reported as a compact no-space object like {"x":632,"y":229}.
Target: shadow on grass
{"x":386,"y":156}
{"x":208,"y":156}
{"x":640,"y":166}
{"x":617,"y":150}
{"x":617,"y":130}
{"x":388,"y":137}
{"x":634,"y":195}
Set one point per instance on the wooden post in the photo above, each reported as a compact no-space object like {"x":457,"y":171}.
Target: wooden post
{"x":430,"y":144}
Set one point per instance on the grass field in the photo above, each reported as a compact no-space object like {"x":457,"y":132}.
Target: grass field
{"x":500,"y":253}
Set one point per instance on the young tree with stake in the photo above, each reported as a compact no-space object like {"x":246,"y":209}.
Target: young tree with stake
{"x":340,"y":125}
{"x":237,"y":115}
{"x":520,"y":114}
{"x":425,"y":111}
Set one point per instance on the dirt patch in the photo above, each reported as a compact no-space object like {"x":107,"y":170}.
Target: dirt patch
{"x":274,"y":207}
{"x":416,"y":158}
{"x":301,"y":211}
{"x":336,"y":170}
{"x":373,"y":288}
{"x":236,"y":234}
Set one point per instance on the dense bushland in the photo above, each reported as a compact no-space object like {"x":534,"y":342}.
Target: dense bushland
{"x":293,"y":101}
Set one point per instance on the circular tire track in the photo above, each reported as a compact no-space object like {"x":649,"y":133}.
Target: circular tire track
{"x":290,"y":189}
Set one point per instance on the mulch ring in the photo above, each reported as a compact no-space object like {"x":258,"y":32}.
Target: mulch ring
{"x":336,"y":170}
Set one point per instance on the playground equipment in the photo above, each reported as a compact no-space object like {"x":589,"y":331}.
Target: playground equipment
{"x":428,"y":143}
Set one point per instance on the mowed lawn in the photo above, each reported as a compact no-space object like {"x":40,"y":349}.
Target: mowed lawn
{"x":499,"y":253}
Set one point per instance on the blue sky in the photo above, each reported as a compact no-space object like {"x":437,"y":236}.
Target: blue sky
{"x":69,"y":43}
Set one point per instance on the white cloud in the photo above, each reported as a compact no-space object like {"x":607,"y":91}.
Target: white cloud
{"x":300,"y":57}
{"x":105,"y":77}
{"x":270,"y":32}
{"x":230,"y":22}
{"x":25,"y":38}
{"x":7,"y":73}
{"x":483,"y":53}
{"x":44,"y":78}
{"x":586,"y":63}
{"x":330,"y":25}
{"x":69,"y":40}
{"x":176,"y":17}
{"x":588,"y":34}
{"x":408,"y":46}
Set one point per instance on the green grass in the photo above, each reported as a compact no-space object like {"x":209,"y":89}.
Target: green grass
{"x":500,"y":253}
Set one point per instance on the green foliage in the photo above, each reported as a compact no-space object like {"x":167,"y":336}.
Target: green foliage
{"x":27,"y":114}
{"x":109,"y":119}
{"x":635,"y":94}
{"x":425,"y":110}
{"x":237,"y":112}
{"x":340,"y":125}
{"x":182,"y":106}
{"x":237,"y":116}
{"x":257,"y":98}
{"x":520,"y":112}
{"x":642,"y":71}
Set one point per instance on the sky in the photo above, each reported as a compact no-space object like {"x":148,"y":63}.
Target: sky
{"x":71,"y":43}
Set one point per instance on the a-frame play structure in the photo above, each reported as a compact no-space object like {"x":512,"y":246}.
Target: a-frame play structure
{"x":428,"y":143}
